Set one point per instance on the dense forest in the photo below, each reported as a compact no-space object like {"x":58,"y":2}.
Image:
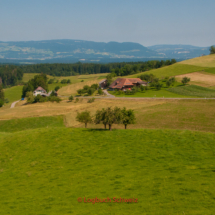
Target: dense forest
{"x":10,"y":75}
{"x":95,"y":68}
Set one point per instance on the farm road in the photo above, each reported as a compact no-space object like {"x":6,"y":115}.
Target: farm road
{"x":13,"y":104}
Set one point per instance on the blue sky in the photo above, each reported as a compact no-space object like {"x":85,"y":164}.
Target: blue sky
{"x":148,"y":22}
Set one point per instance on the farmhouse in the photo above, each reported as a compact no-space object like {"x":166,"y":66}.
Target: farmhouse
{"x":103,"y":83}
{"x":126,"y":83}
{"x":40,"y":91}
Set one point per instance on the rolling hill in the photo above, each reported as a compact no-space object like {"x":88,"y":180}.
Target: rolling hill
{"x":70,"y":51}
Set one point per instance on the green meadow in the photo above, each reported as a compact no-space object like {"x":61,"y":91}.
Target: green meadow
{"x":13,"y":93}
{"x":193,"y":90}
{"x":45,"y":170}
{"x":173,"y":70}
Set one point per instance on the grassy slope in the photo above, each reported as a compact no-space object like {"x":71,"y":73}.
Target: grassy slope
{"x":44,"y":171}
{"x":205,"y":61}
{"x":193,"y":90}
{"x":13,"y":93}
{"x":210,"y":70}
{"x":173,"y":70}
{"x":31,"y":123}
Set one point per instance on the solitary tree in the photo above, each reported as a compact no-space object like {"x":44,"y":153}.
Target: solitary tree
{"x":84,"y":117}
{"x":212,"y":50}
{"x":71,"y":98}
{"x":128,"y":117}
{"x":185,"y":80}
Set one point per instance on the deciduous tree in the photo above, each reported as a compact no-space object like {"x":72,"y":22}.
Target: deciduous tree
{"x":84,"y":117}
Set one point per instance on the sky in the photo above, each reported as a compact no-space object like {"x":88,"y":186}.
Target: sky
{"x":148,"y":22}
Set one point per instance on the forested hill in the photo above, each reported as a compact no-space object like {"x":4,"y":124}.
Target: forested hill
{"x":180,"y":51}
{"x":72,"y":51}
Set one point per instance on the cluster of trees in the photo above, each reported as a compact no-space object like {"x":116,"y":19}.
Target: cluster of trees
{"x":34,"y":99}
{"x":123,"y":68}
{"x":31,"y":85}
{"x":65,"y":81}
{"x":212,"y":50}
{"x":89,"y":90}
{"x":10,"y":75}
{"x":108,"y":117}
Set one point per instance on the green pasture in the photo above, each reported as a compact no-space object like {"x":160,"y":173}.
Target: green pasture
{"x":172,"y":70}
{"x":193,"y":90}
{"x":15,"y":125}
{"x":13,"y":93}
{"x":45,"y":171}
{"x":210,"y":70}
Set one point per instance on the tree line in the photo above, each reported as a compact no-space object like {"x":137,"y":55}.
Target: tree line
{"x":10,"y":75}
{"x":108,"y":116}
{"x":123,"y":68}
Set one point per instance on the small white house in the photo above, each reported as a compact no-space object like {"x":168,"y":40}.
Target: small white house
{"x":40,"y":91}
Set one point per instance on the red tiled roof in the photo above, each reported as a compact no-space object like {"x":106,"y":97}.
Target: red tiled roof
{"x":40,"y":88}
{"x":120,"y":82}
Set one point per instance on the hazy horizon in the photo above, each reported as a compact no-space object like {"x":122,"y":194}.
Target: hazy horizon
{"x":145,"y":22}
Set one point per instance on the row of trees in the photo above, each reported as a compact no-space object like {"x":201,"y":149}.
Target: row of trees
{"x":108,"y":117}
{"x":123,"y":68}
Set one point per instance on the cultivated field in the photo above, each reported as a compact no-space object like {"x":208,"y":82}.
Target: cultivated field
{"x":203,"y":79}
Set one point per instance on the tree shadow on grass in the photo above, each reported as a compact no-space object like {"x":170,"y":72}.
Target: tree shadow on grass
{"x":96,"y":129}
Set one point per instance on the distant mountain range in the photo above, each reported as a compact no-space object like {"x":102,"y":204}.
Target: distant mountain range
{"x":69,"y":51}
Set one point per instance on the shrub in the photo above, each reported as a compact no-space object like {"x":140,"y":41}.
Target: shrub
{"x":76,"y":100}
{"x":64,"y":81}
{"x":82,"y":80}
{"x":51,"y":81}
{"x":30,"y":97}
{"x":95,"y":86}
{"x":40,"y":98}
{"x":6,"y":100}
{"x":90,"y":91}
{"x":80,"y":92}
{"x":68,"y":81}
{"x":100,"y":92}
{"x":57,"y":88}
{"x":54,"y":99}
{"x":91,"y":100}
{"x":158,"y":86}
{"x":71,"y":98}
